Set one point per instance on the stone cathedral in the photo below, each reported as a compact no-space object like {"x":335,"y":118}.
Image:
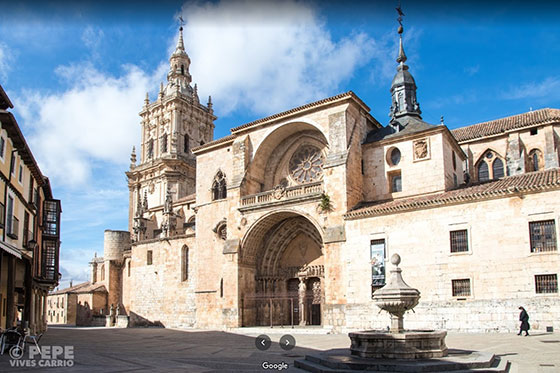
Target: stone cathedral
{"x":291,"y":219}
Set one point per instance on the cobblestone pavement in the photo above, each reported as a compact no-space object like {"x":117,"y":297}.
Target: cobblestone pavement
{"x":168,"y":350}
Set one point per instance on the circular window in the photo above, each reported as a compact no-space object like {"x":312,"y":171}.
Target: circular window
{"x":306,"y":165}
{"x":395,"y":156}
{"x":489,"y":155}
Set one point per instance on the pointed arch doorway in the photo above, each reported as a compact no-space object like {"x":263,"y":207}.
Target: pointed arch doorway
{"x":282,"y":272}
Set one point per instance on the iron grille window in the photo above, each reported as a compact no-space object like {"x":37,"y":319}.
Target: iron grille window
{"x":459,"y":241}
{"x":543,"y":236}
{"x":461,"y":288}
{"x":50,"y":259}
{"x":546,"y":284}
{"x":51,"y":217}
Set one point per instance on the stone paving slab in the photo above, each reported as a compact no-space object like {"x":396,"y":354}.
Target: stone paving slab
{"x":170,"y":350}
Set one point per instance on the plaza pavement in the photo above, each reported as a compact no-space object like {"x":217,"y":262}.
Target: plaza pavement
{"x":171,"y":350}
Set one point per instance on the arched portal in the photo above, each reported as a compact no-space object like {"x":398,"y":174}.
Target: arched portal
{"x":282,"y":271}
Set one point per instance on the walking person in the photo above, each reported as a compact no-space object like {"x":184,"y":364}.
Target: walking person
{"x":524,"y":318}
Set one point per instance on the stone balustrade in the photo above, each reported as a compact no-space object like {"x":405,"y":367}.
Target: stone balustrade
{"x":283,"y":194}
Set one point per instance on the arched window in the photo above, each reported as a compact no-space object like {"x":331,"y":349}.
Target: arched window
{"x":497,"y":169}
{"x":535,"y":160}
{"x":396,"y":183}
{"x":186,"y":143}
{"x":103,"y":272}
{"x":219,"y":187}
{"x":191,"y":223}
{"x":221,"y":288}
{"x":182,"y":69}
{"x":185,"y":263}
{"x":483,"y":174}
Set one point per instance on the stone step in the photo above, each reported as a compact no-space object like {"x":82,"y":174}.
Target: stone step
{"x":504,"y":366}
{"x":476,"y":362}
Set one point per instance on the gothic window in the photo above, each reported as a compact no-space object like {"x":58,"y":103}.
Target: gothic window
{"x":185,"y":263}
{"x":498,"y":168}
{"x":150,"y":150}
{"x":306,"y":165}
{"x":219,"y":187}
{"x":186,"y":143}
{"x":483,"y":171}
{"x":164,"y":144}
{"x":490,"y":166}
{"x":191,"y":223}
{"x":535,"y":160}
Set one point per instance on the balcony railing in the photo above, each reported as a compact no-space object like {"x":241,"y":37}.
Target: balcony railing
{"x":282,"y":194}
{"x":13,"y":228}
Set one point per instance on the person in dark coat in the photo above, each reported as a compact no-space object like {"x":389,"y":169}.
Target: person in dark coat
{"x":524,"y":318}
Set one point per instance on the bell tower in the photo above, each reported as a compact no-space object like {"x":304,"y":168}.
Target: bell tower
{"x":171,"y":125}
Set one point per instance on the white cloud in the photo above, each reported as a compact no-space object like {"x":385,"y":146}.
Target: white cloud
{"x":6,"y":58}
{"x":267,"y":56}
{"x":549,"y":87}
{"x":95,"y":119}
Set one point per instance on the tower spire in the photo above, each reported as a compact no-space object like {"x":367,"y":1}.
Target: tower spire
{"x":403,"y":87}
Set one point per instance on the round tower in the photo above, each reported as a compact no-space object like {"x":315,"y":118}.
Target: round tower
{"x":114,"y":244}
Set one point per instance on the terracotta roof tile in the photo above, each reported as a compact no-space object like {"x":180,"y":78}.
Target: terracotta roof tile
{"x":84,"y":287}
{"x":502,"y":125}
{"x":532,"y":181}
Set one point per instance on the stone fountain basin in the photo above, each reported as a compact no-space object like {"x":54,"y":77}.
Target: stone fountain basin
{"x":409,"y":344}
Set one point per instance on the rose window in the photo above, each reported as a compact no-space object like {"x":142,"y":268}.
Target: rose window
{"x":306,"y":165}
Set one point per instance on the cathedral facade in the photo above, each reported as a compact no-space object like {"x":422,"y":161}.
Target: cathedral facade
{"x":292,"y":218}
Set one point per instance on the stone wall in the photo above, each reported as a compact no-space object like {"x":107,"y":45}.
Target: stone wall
{"x":499,"y":263}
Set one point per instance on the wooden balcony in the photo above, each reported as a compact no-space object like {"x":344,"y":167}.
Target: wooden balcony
{"x":278,"y":196}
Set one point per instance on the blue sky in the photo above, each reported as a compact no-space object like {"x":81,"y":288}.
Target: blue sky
{"x":77,"y":73}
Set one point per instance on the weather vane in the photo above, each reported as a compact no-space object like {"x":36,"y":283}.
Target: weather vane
{"x":181,"y":22}
{"x":399,"y":19}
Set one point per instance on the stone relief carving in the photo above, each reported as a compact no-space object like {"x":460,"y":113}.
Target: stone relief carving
{"x":420,"y":149}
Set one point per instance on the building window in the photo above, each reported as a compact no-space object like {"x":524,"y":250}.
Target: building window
{"x":377,"y":257}
{"x":2,"y":147}
{"x":454,"y":160}
{"x":150,"y":150}
{"x":455,"y":180}
{"x":182,"y":69}
{"x":306,"y":165}
{"x":461,"y":288}
{"x":221,"y":288}
{"x":543,"y":236}
{"x":186,"y":143}
{"x":103,"y":272}
{"x":13,"y":164}
{"x":20,"y":178}
{"x":149,"y":257}
{"x":534,"y":131}
{"x":546,"y":284}
{"x":10,"y":215}
{"x":128,"y":268}
{"x":219,"y":187}
{"x":497,"y":169}
{"x":164,"y":144}
{"x":535,"y":160}
{"x":185,"y":265}
{"x":395,"y":156}
{"x":483,"y":174}
{"x":459,"y":241}
{"x":396,"y":183}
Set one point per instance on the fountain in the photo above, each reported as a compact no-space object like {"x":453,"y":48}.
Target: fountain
{"x":398,"y":349}
{"x":396,"y":297}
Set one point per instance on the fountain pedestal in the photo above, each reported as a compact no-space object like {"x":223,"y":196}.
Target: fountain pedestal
{"x":396,"y":297}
